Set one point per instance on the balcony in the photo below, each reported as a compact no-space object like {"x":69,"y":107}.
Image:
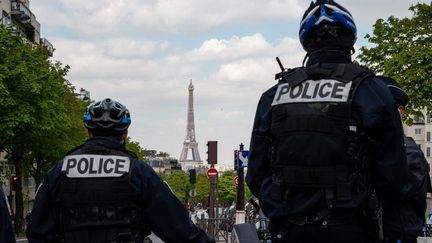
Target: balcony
{"x":48,"y":46}
{"x":20,"y":12}
{"x":32,"y":24}
{"x":5,"y":19}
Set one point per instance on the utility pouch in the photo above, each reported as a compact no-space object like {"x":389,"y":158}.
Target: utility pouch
{"x":277,"y":191}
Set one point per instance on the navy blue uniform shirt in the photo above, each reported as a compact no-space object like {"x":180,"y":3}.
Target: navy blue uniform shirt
{"x":373,"y":111}
{"x":165,"y":215}
{"x":6,"y":231}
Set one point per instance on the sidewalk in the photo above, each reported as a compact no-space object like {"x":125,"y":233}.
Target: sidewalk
{"x":424,"y":240}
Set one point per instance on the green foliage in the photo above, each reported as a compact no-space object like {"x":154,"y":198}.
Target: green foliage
{"x":227,"y":189}
{"x":41,"y":116}
{"x":136,"y":148}
{"x":179,"y":184}
{"x":403,"y":50}
{"x":202,"y":188}
{"x":40,"y":110}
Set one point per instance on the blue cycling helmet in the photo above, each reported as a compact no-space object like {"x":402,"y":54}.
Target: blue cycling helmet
{"x":327,"y":16}
{"x":107,"y":116}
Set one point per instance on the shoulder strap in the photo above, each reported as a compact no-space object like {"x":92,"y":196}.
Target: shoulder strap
{"x":131,"y":154}
{"x":344,"y":72}
{"x":292,"y":76}
{"x":75,"y":149}
{"x":352,"y":72}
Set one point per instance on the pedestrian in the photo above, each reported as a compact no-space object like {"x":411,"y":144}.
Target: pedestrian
{"x":101,"y":192}
{"x":403,"y":220}
{"x":6,"y":230}
{"x":325,"y":139}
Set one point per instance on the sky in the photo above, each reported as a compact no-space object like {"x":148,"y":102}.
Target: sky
{"x":144,"y":54}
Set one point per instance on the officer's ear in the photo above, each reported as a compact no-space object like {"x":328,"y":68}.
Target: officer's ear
{"x":124,"y":136}
{"x":401,"y":110}
{"x":89,"y":134}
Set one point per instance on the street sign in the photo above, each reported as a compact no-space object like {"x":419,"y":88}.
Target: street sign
{"x":235,"y":180}
{"x":242,"y":159}
{"x":192,"y":193}
{"x":211,"y":172}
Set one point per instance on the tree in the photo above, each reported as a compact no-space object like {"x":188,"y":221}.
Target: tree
{"x":227,"y":189}
{"x":136,"y":148}
{"x":403,"y":51}
{"x":37,"y":104}
{"x":179,"y":184}
{"x":202,"y":188}
{"x":49,"y":146}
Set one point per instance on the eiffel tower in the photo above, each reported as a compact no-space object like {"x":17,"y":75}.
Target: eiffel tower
{"x":190,"y":144}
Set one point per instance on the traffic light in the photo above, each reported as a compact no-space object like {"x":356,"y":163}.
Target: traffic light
{"x":235,"y":159}
{"x":192,"y":176}
{"x":212,"y":152}
{"x":14,"y":182}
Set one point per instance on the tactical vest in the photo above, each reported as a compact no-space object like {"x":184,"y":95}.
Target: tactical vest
{"x":315,"y":143}
{"x":96,"y":202}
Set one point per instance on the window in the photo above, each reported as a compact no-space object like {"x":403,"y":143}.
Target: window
{"x":419,"y":120}
{"x":428,"y":136}
{"x":417,"y":131}
{"x":4,"y":168}
{"x":428,"y":152}
{"x":29,"y":182}
{"x":5,"y":19}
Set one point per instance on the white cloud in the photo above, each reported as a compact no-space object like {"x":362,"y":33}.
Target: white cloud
{"x":252,"y":70}
{"x":151,"y":78}
{"x":143,"y":53}
{"x":131,"y":48}
{"x":234,"y":48}
{"x":191,"y":16}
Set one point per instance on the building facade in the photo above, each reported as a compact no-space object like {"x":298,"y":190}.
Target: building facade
{"x":17,"y":14}
{"x":421,"y":132}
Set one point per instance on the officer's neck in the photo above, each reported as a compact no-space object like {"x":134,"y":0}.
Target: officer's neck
{"x":329,"y":56}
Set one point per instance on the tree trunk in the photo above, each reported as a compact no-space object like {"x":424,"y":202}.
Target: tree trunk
{"x":19,"y":204}
{"x":38,"y":173}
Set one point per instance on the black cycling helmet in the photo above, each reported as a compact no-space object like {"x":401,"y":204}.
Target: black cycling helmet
{"x":327,"y":17}
{"x":108,"y":116}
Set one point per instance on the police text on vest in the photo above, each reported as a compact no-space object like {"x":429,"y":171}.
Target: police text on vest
{"x":323,"y":90}
{"x":92,"y":165}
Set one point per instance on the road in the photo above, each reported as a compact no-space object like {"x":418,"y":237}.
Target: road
{"x":153,"y":237}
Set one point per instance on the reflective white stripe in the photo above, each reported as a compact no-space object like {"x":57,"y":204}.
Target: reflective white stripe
{"x":323,"y":90}
{"x":7,"y":203}
{"x":322,"y":18}
{"x":309,"y":14}
{"x":92,"y":165}
{"x":334,"y":8}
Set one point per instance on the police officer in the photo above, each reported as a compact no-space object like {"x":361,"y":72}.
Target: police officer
{"x":403,"y":220}
{"x":6,"y":230}
{"x":324,"y":139}
{"x":101,"y":192}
